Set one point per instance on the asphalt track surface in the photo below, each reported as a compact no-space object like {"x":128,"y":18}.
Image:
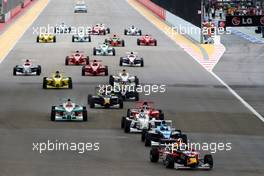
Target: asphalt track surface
{"x":194,"y":100}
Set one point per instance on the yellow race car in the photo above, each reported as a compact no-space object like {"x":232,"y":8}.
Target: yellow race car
{"x":46,"y":38}
{"x":57,"y":81}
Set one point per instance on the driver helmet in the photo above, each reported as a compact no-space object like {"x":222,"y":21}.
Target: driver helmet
{"x":132,"y":26}
{"x":57,"y":74}
{"x":124,"y":73}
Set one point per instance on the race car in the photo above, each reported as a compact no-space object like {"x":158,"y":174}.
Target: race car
{"x":80,"y":7}
{"x":147,"y":40}
{"x":81,"y":37}
{"x":133,"y":31}
{"x":148,"y":108}
{"x":62,"y":28}
{"x":27,"y":69}
{"x":164,"y":133}
{"x":105,"y":99}
{"x":46,"y":38}
{"x":178,"y":156}
{"x":99,"y":29}
{"x":140,"y":122}
{"x":57,"y":81}
{"x":77,"y":58}
{"x":115,"y":41}
{"x":124,"y":77}
{"x":95,"y":68}
{"x":104,"y":50}
{"x":126,"y":90}
{"x":68,"y":111}
{"x":131,"y":59}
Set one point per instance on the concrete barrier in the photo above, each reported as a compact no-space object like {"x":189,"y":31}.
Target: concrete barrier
{"x":16,"y":10}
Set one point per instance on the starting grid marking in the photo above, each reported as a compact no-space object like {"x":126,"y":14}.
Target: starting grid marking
{"x":248,"y":37}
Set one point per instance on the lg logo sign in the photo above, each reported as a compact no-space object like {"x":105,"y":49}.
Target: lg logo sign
{"x":247,"y":21}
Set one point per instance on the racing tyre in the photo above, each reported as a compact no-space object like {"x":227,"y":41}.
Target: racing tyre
{"x":127,"y":126}
{"x":208,"y":159}
{"x":54,"y":39}
{"x":37,"y":39}
{"x":121,"y":61}
{"x":136,"y":96}
{"x":67,"y":60}
{"x":114,"y":52}
{"x":138,"y":42}
{"x":128,"y":113}
{"x":184,"y":139}
{"x":136,"y":80}
{"x":73,"y":39}
{"x":39,"y":70}
{"x":154,"y":155}
{"x":125,"y":31}
{"x":14,"y":71}
{"x":85,"y":116}
{"x":53,"y":113}
{"x":106,"y":70}
{"x":89,"y":39}
{"x":91,"y":101}
{"x":147,"y":140}
{"x":45,"y":83}
{"x":87,"y":60}
{"x":83,"y":71}
{"x":169,"y":162}
{"x":123,"y":43}
{"x":111,"y":80}
{"x":161,"y":115}
{"x":123,"y":122}
{"x":70,"y":83}
{"x":121,"y":104}
{"x":108,"y":30}
{"x":142,"y":62}
{"x":155,"y":42}
{"x":94,"y":51}
{"x":140,"y":32}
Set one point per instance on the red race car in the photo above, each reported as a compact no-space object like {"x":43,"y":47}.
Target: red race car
{"x":99,"y":29}
{"x":115,"y":41}
{"x":147,"y":40}
{"x":77,"y":58}
{"x":95,"y":68}
{"x":148,"y":107}
{"x":178,"y":156}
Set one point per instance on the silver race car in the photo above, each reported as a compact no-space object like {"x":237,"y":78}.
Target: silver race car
{"x":131,"y":59}
{"x":68,"y":111}
{"x":81,"y":37}
{"x":133,"y":31}
{"x":104,"y":50}
{"x":27,"y":69}
{"x":123,"y":77}
{"x":62,"y":29}
{"x":80,"y":7}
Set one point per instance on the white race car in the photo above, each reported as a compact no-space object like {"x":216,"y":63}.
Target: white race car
{"x":104,"y":50}
{"x":131,"y":59}
{"x":138,"y":123}
{"x":81,"y":37}
{"x":123,"y":77}
{"x":80,"y":7}
{"x":27,"y":69}
{"x":68,"y":111}
{"x":133,"y":31}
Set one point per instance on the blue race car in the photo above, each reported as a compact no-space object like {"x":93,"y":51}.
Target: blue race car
{"x":163,"y":133}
